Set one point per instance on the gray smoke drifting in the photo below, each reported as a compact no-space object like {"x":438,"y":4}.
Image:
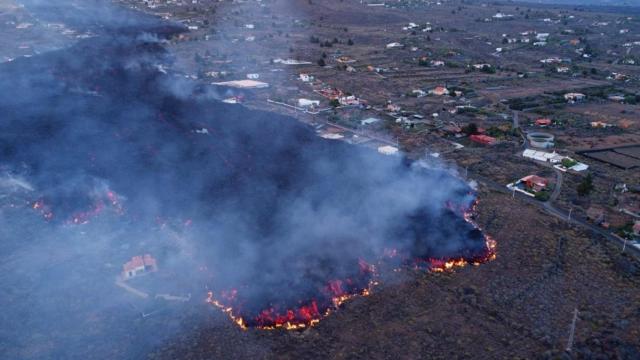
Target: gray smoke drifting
{"x":104,"y":157}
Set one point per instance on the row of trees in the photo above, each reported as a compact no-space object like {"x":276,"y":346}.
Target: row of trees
{"x":327,"y":43}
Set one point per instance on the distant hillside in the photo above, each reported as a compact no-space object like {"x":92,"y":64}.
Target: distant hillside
{"x":586,"y":2}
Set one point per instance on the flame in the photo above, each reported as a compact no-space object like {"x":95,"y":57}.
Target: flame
{"x":44,"y":210}
{"x":100,"y":202}
{"x":340,"y":291}
{"x":304,"y":316}
{"x":83,"y":217}
{"x":227,"y":310}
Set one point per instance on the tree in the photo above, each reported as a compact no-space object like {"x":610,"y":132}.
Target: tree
{"x":542,"y":195}
{"x":350,"y":42}
{"x":631,"y":99}
{"x":470,"y":129}
{"x":566,"y":162}
{"x":488,"y":69}
{"x":586,"y":186}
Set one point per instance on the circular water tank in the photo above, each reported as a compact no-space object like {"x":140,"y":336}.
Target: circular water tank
{"x":541,"y":140}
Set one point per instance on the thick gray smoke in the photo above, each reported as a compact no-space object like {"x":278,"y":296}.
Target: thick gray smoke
{"x":101,"y":160}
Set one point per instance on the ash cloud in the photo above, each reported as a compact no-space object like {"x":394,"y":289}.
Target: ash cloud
{"x":222,"y":196}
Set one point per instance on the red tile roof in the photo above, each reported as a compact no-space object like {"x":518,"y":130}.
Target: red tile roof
{"x":543,"y":122}
{"x":483,"y":139}
{"x":139,"y":261}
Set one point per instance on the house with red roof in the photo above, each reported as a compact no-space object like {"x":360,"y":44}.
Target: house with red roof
{"x":531,"y":185}
{"x":543,"y":122}
{"x":483,"y":139}
{"x":535,"y":182}
{"x":439,"y":91}
{"x":139,"y":265}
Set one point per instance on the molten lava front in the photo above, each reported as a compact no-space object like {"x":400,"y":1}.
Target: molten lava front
{"x":296,"y":314}
{"x":308,"y":311}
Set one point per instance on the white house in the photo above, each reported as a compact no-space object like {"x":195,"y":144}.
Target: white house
{"x":369,"y":121}
{"x":306,"y":77}
{"x":388,"y":150}
{"x":543,"y":156}
{"x":308,"y":103}
{"x":574,"y":97}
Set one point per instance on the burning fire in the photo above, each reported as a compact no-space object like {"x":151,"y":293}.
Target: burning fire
{"x":101,"y":201}
{"x":442,"y":265}
{"x":303,"y":317}
{"x":336,"y":292}
{"x":44,"y":210}
{"x":307,"y":313}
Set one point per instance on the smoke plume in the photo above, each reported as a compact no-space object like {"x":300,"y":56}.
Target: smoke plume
{"x":103,"y":156}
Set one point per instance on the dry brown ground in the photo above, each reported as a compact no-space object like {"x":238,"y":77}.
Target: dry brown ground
{"x":519,"y":305}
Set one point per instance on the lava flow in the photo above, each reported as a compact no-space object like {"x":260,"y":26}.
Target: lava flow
{"x":299,"y":314}
{"x":72,"y":207}
{"x":308,"y":312}
{"x":449,"y":263}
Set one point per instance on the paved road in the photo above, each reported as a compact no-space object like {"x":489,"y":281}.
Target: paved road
{"x":558,"y":187}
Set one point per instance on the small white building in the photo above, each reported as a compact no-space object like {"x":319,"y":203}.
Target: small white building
{"x":308,"y":103}
{"x":349,"y":100}
{"x":543,"y":156}
{"x":306,"y":78}
{"x":331,"y":136}
{"x":574,"y":97}
{"x":369,"y":121}
{"x":243,"y":84}
{"x":542,"y":36}
{"x":481,"y":66}
{"x":502,"y":16}
{"x":388,"y":150}
{"x":419,"y":93}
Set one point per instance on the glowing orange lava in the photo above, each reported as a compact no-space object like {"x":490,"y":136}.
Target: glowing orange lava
{"x":310,"y":313}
